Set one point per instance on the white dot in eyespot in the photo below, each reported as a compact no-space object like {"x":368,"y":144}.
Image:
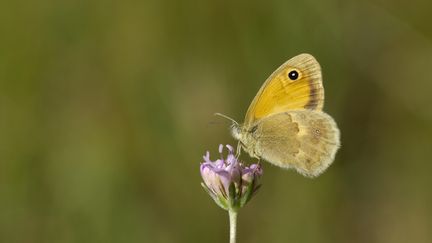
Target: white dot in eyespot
{"x":293,"y":75}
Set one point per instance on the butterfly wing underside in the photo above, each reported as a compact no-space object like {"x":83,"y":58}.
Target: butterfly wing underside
{"x":279,"y":93}
{"x":305,"y":140}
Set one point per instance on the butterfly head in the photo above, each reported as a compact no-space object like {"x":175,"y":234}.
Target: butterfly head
{"x":236,"y":131}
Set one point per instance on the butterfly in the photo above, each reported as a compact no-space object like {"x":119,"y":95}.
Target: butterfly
{"x":285,"y":124}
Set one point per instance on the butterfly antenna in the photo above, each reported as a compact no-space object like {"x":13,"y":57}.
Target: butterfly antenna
{"x":226,"y":117}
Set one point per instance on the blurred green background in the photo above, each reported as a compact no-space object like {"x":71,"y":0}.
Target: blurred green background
{"x":106,"y":109}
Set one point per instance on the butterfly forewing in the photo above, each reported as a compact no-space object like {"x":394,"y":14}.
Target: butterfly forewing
{"x":282,"y":93}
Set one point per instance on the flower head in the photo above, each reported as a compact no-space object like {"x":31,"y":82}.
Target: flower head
{"x":229,"y":182}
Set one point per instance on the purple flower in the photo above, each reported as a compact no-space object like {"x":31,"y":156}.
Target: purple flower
{"x":230,"y":183}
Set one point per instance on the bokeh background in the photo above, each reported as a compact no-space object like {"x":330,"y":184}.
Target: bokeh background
{"x":106,"y":109}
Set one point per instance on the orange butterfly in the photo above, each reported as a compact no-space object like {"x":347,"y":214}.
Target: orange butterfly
{"x":285,"y":124}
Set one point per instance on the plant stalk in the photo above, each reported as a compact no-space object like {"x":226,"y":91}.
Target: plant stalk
{"x":233,"y":225}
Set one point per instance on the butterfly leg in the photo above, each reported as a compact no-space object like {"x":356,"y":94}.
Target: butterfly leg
{"x":238,"y":150}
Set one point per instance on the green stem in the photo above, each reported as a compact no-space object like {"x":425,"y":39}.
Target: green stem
{"x":233,"y":225}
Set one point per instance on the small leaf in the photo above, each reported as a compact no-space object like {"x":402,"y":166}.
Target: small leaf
{"x":233,"y":198}
{"x":247,"y":195}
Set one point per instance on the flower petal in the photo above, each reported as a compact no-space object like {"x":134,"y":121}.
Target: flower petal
{"x":220,"y":148}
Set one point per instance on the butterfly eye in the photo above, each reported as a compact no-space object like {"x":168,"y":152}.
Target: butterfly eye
{"x":293,"y":75}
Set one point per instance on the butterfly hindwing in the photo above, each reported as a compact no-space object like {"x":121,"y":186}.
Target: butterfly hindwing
{"x":305,"y":140}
